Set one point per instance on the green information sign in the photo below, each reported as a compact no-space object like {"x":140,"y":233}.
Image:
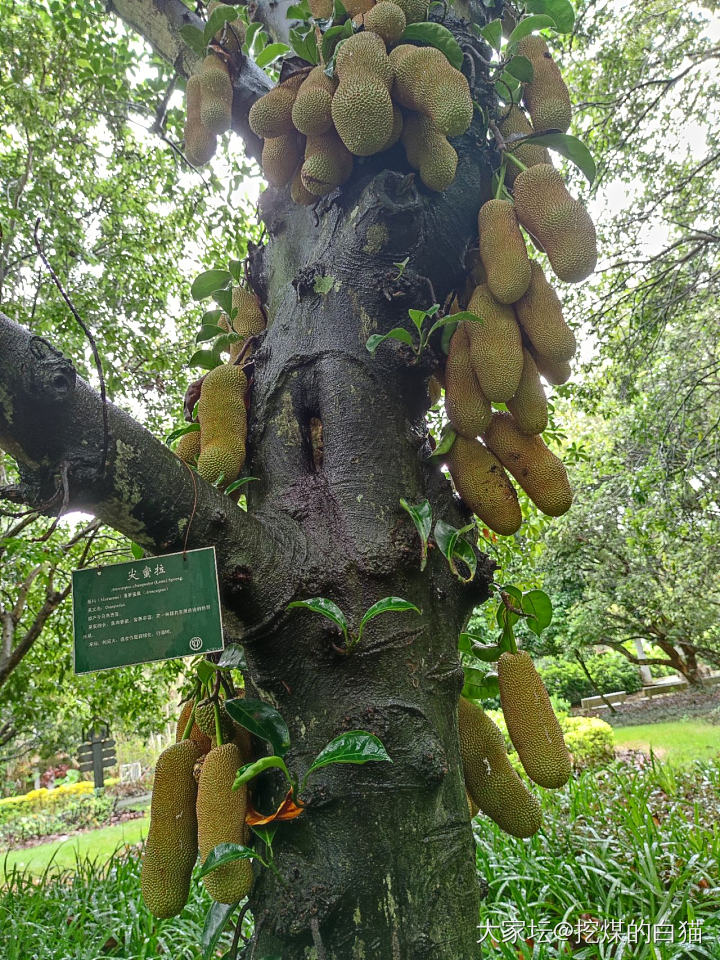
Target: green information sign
{"x":153,"y":609}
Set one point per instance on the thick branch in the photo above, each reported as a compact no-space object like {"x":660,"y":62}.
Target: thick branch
{"x":51,"y":423}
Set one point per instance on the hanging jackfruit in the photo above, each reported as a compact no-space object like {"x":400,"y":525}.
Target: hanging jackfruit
{"x":531,"y":721}
{"x":221,"y":819}
{"x":205,"y":720}
{"x":538,"y":471}
{"x":484,"y":486}
{"x":429,"y":152}
{"x":356,"y":7}
{"x":362,"y":109}
{"x":415,"y":10}
{"x":490,"y":780}
{"x":328,"y":164}
{"x":216,"y":95}
{"x":298,"y":193}
{"x":249,"y":320}
{"x":172,"y":843}
{"x":188,"y":447}
{"x":200,"y":143}
{"x":280,"y":158}
{"x":271,"y":115}
{"x":426,"y":82}
{"x":513,"y":122}
{"x":539,"y":313}
{"x":467,"y":407}
{"x":561,"y":223}
{"x":546,"y":95}
{"x":495,"y":346}
{"x":502,"y":251}
{"x":321,"y":9}
{"x":529,"y":404}
{"x":201,"y":739}
{"x":312,"y":110}
{"x":223,"y":424}
{"x":387,"y":20}
{"x":555,"y":372}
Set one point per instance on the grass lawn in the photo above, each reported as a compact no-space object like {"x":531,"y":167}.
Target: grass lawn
{"x":676,"y":742}
{"x":95,"y":844}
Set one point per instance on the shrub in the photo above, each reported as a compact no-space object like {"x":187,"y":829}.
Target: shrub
{"x":44,"y":812}
{"x":610,"y":671}
{"x":37,"y":801}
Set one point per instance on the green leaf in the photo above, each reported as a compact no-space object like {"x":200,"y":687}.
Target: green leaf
{"x":225,"y":853}
{"x":252,"y":770}
{"x":356,"y":746}
{"x":236,"y":484}
{"x":237,"y":269}
{"x":217,"y":20}
{"x":193,"y":37}
{"x":561,"y":11}
{"x":386,"y":605}
{"x":528,"y":25}
{"x":233,"y":658}
{"x":507,"y":86}
{"x":421,"y":515}
{"x":521,"y":69}
{"x":570,"y":147}
{"x":453,"y":318}
{"x":323,"y":285}
{"x":223,"y":298}
{"x":488,"y":653}
{"x":272,"y":52}
{"x":209,"y":331}
{"x":254,"y":28}
{"x":538,"y":606}
{"x":137,"y":551}
{"x":503,"y":615}
{"x":418,"y":317}
{"x":304,"y":44}
{"x":447,"y":439}
{"x":206,"y":671}
{"x":397,"y":333}
{"x":435,"y":35}
{"x":208,"y":282}
{"x":211,"y":317}
{"x":181,"y":431}
{"x":333,"y":36}
{"x":492,"y":32}
{"x":207,"y":359}
{"x":262,"y":720}
{"x":266,"y":832}
{"x":449,"y":540}
{"x":215,"y":922}
{"x":479,"y":685}
{"x":325,"y":608}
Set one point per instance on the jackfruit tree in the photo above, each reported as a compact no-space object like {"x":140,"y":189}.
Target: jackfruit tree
{"x":391,"y":136}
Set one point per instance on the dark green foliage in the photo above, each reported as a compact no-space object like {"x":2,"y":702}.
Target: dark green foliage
{"x":611,"y":671}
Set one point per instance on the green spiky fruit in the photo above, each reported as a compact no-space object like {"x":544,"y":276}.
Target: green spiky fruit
{"x":357,"y":7}
{"x":205,"y":720}
{"x":366,"y":53}
{"x":539,"y":313}
{"x":249,"y":319}
{"x":223,"y":424}
{"x":221,"y":819}
{"x":484,"y":486}
{"x":529,"y":403}
{"x":271,"y":115}
{"x":467,"y":407}
{"x":429,"y":152}
{"x":280,"y":158}
{"x":415,"y":10}
{"x":552,"y":371}
{"x":397,"y":128}
{"x":531,"y":721}
{"x":561,"y":223}
{"x":196,"y":734}
{"x":172,"y":843}
{"x":502,"y":251}
{"x":538,"y":471}
{"x":188,"y":448}
{"x":387,"y":20}
{"x":515,"y":122}
{"x":328,"y":164}
{"x":298,"y":193}
{"x":312,"y":110}
{"x":490,"y":780}
{"x":546,"y":95}
{"x":200,"y":143}
{"x":362,"y":109}
{"x":216,"y":95}
{"x":495,"y":346}
{"x":426,"y":82}
{"x":321,"y":9}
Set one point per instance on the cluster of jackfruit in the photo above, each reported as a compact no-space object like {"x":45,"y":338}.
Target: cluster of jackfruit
{"x":522,"y":335}
{"x":194,"y":808}
{"x":491,"y":782}
{"x":217,"y":450}
{"x":313,"y":125}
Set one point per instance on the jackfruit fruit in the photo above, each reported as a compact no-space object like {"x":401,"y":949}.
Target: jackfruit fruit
{"x":546,"y":95}
{"x":553,"y":372}
{"x":321,"y":9}
{"x":205,"y":720}
{"x":298,"y":193}
{"x":529,"y":404}
{"x":539,"y":313}
{"x":429,"y":152}
{"x":484,"y":486}
{"x":397,"y":128}
{"x":531,"y":722}
{"x":223,"y":423}
{"x":495,"y":346}
{"x":172,"y":843}
{"x":200,"y":143}
{"x":538,"y":471}
{"x":356,"y":7}
{"x":362,"y":109}
{"x":513,"y":122}
{"x":473,"y":808}
{"x":232,"y":34}
{"x":311,"y":112}
{"x":387,"y":20}
{"x":280,"y":158}
{"x":188,"y":447}
{"x":426,"y":82}
{"x":216,"y":95}
{"x":490,"y":779}
{"x":467,"y":407}
{"x":271,"y":115}
{"x":561,"y":223}
{"x":415,"y":10}
{"x":502,"y":251}
{"x":221,"y":819}
{"x":196,"y":734}
{"x":328,"y":164}
{"x":249,"y":320}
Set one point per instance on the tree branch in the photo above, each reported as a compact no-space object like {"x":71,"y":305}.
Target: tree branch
{"x":51,"y":423}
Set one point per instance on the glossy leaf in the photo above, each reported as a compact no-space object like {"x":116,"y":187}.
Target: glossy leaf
{"x":215,"y":922}
{"x":208,"y":331}
{"x":233,"y":658}
{"x":521,"y":69}
{"x":325,"y":608}
{"x":386,"y":605}
{"x":492,"y":33}
{"x":356,"y":746}
{"x":208,"y":282}
{"x":251,"y":770}
{"x":479,"y":685}
{"x":435,"y":35}
{"x":137,"y":551}
{"x":272,"y":52}
{"x":447,"y":439}
{"x":217,"y":19}
{"x":570,"y":147}
{"x":421,"y":516}
{"x":236,"y":484}
{"x":206,"y":671}
{"x":207,"y":359}
{"x":528,"y":25}
{"x":488,"y":653}
{"x":452,"y":546}
{"x":397,"y":333}
{"x":561,"y":11}
{"x":538,"y":606}
{"x":262,"y":720}
{"x":225,"y":853}
{"x":193,"y":37}
{"x":181,"y":431}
